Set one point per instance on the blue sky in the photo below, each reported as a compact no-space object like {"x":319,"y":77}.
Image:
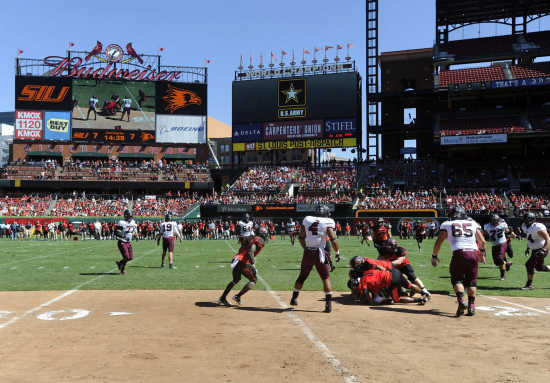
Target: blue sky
{"x":192,"y":31}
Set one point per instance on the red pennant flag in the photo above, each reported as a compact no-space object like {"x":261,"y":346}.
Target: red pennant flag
{"x":349,"y":45}
{"x":273,"y":57}
{"x":316,"y":49}
{"x":19,"y":51}
{"x":161,"y":49}
{"x":284,"y":52}
{"x":327,"y":47}
{"x":339,"y":46}
{"x":207,"y":61}
{"x":306,"y":51}
{"x":71,"y":44}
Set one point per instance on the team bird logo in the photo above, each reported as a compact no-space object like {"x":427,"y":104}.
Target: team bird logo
{"x":177,"y":98}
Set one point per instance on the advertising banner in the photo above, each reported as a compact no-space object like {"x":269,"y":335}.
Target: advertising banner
{"x":57,"y":126}
{"x":181,"y":129}
{"x":28,"y":125}
{"x":296,"y":144}
{"x":181,"y":98}
{"x":293,"y":130}
{"x":247,"y":132}
{"x":340,"y":128}
{"x":475,"y":139}
{"x":112,"y":136}
{"x":309,"y":208}
{"x":43,"y":93}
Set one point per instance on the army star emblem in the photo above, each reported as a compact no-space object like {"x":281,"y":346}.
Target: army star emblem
{"x":292,"y":94}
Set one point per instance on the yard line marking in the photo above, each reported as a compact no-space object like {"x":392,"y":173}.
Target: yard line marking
{"x":516,"y":304}
{"x":65,"y":294}
{"x":149,"y":122}
{"x":308,"y":332}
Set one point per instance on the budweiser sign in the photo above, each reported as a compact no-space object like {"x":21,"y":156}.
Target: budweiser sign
{"x":82,"y":67}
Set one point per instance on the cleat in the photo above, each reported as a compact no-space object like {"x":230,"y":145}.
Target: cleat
{"x":328,"y":307}
{"x":528,"y":287}
{"x":502,"y":278}
{"x":293,"y":302}
{"x":422,"y":300}
{"x":162,"y":264}
{"x":223,"y":302}
{"x":427,"y":295}
{"x":471,"y":310}
{"x":237,"y":299}
{"x":120,"y":267}
{"x":172,"y":266}
{"x":508,"y":265}
{"x":461,"y":308}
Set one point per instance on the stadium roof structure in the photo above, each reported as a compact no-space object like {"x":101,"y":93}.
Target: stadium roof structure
{"x":451,"y":12}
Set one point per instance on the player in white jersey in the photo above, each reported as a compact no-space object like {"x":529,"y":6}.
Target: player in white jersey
{"x":168,"y":231}
{"x":538,"y":243}
{"x":495,"y":232}
{"x":291,"y":230}
{"x":313,"y":237}
{"x":126,"y":107}
{"x":468,"y":245}
{"x":246,"y":229}
{"x":92,"y":107}
{"x":124,"y":232}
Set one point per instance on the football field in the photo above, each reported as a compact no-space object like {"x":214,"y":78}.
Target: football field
{"x":66,"y":315}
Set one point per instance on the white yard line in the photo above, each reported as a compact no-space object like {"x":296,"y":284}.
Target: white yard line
{"x":515,"y":304}
{"x":61,"y":296}
{"x":308,"y":332}
{"x":141,"y":110}
{"x":82,"y":116}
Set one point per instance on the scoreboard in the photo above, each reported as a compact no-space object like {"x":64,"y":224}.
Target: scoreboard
{"x":316,"y":111}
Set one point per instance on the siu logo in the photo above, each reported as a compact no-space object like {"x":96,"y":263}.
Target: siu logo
{"x":177,"y":98}
{"x":42,"y":93}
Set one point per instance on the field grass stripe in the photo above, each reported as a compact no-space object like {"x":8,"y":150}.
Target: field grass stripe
{"x":515,"y":304}
{"x":308,"y":332}
{"x":64,"y":295}
{"x":39,"y":257}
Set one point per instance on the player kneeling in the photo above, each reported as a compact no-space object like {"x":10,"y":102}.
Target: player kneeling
{"x":373,"y":279}
{"x":243,"y":264}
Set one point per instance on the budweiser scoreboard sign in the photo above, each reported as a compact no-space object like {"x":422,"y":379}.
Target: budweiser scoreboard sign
{"x":28,"y":124}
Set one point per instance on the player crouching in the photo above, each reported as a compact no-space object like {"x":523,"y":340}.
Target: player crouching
{"x":243,"y":264}
{"x":378,"y":282}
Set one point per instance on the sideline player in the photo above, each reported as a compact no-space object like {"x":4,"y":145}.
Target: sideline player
{"x":538,"y":242}
{"x":291,"y":230}
{"x":365,"y":234}
{"x":419,"y":234}
{"x":124,"y":232}
{"x":92,"y":107}
{"x":168,"y":231}
{"x":126,"y":107}
{"x":312,"y":237}
{"x":495,"y":231}
{"x":468,"y":246}
{"x":243,"y":264}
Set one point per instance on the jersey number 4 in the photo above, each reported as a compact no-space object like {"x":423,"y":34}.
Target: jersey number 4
{"x":314,"y":228}
{"x":460,"y":230}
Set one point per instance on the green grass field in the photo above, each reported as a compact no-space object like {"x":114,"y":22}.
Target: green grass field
{"x":103,"y":90}
{"x":51,"y":265}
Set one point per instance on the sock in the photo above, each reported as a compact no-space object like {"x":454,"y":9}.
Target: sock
{"x":227,"y":289}
{"x":502,"y":272}
{"x":328,"y":297}
{"x":471,"y":300}
{"x":460,"y":297}
{"x":295,"y":293}
{"x":424,"y":291}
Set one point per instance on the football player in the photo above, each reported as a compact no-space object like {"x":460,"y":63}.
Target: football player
{"x":313,"y":235}
{"x":124,"y":232}
{"x":495,"y":232}
{"x":168,"y":231}
{"x":538,"y":243}
{"x":243,"y":264}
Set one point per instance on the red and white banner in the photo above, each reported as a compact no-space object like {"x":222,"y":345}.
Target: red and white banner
{"x":28,"y":125}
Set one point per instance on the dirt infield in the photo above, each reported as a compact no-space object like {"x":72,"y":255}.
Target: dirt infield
{"x":181,"y":336}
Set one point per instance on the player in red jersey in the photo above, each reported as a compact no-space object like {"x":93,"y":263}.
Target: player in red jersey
{"x":381,"y":233}
{"x":243,"y":264}
{"x":375,"y":278}
{"x":397,"y":255}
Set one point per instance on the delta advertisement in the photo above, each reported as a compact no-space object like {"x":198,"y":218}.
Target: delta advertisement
{"x":57,"y":126}
{"x":181,"y":129}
